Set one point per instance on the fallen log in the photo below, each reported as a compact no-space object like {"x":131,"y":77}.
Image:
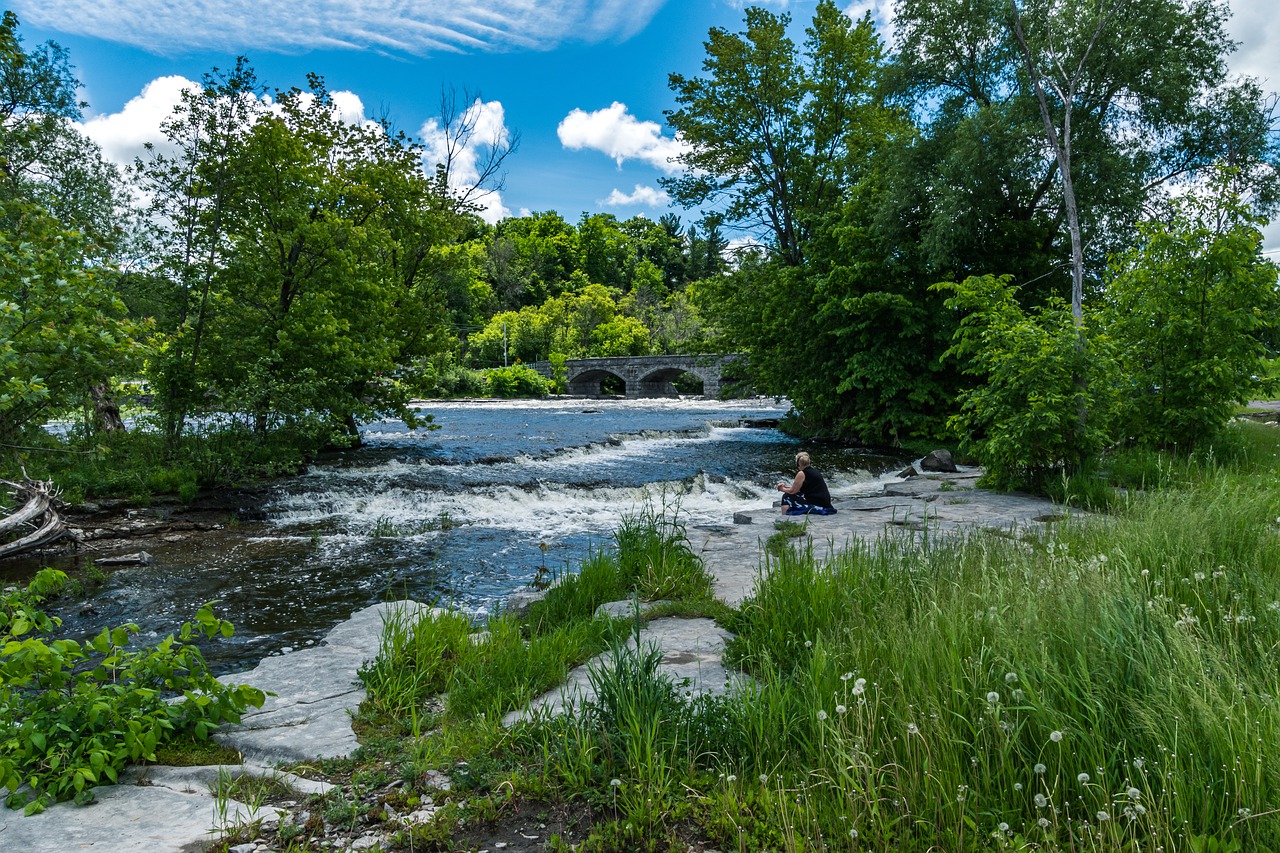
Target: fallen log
{"x":39,"y":507}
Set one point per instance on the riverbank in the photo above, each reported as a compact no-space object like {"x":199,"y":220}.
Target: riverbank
{"x":309,"y":717}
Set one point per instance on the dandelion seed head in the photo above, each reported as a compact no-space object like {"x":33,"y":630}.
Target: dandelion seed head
{"x":1055,"y":736}
{"x":1039,"y":769}
{"x":1017,"y":786}
{"x":912,"y":729}
{"x":993,"y":698}
{"x":1133,"y":793}
{"x":1103,"y":816}
{"x":1043,"y":822}
{"x":808,"y":644}
{"x":859,"y":686}
{"x":1041,"y":801}
{"x":846,"y":676}
{"x":840,"y":709}
{"x":764,"y":777}
{"x":617,"y":783}
{"x":822,"y":715}
{"x":1083,"y":778}
{"x":1010,"y":677}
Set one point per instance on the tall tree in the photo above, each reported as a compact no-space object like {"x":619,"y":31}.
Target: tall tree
{"x":1137,"y":95}
{"x":770,"y":129}
{"x":62,"y":329}
{"x":191,"y":188}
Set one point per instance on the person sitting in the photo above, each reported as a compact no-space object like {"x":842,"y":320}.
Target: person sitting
{"x":807,"y":494}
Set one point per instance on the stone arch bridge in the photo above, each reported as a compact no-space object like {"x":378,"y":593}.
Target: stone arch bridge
{"x":642,"y":376}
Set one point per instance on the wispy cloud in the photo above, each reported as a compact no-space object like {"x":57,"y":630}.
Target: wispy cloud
{"x":622,"y":136}
{"x":648,"y":196}
{"x":398,"y":26}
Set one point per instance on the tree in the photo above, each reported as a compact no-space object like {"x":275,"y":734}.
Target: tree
{"x":773,"y":132}
{"x":1192,"y":308}
{"x":191,"y":190}
{"x":1136,"y":96}
{"x":1021,"y":417}
{"x":62,"y":330}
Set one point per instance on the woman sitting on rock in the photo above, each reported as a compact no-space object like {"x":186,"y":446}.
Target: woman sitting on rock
{"x":807,"y":494}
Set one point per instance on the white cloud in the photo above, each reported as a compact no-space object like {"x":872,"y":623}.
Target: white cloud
{"x":882,"y":12}
{"x":122,"y":135}
{"x":622,"y":136}
{"x":648,"y":196}
{"x":400,"y":26}
{"x":1255,"y":25}
{"x":487,"y":120}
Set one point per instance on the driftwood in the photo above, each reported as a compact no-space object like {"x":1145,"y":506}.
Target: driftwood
{"x":38,"y":511}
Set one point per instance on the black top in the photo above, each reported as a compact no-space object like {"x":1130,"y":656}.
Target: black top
{"x":814,"y":489}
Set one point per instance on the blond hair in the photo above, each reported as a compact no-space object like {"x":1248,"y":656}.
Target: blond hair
{"x":802,"y":460}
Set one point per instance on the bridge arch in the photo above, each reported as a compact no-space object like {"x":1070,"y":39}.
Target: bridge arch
{"x":641,"y":376}
{"x":590,"y":383}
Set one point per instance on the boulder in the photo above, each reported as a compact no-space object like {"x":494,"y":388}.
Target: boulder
{"x":938,"y":460}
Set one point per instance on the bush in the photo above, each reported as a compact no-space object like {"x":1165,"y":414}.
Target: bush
{"x":518,"y":380}
{"x":1044,"y":405}
{"x":72,"y":714}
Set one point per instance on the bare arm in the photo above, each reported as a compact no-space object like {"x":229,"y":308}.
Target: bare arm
{"x":796,"y":485}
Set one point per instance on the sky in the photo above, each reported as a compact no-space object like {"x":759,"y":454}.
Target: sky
{"x":583,"y":83}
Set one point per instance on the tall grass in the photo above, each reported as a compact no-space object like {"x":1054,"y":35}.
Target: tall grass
{"x":1113,"y":684}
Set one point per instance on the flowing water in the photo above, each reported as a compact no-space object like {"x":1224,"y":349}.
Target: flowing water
{"x":463,"y":514}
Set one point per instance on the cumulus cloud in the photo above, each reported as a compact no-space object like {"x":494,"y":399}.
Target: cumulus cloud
{"x":466,"y":147}
{"x":622,"y":136}
{"x":648,"y":196}
{"x":398,"y":26}
{"x":123,"y":134}
{"x":882,"y":13}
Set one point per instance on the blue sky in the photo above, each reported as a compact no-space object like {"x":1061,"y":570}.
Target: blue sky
{"x":583,"y":81}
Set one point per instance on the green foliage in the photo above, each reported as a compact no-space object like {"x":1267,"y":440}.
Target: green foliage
{"x":1134,"y":651}
{"x":73,"y":714}
{"x":1044,"y":404}
{"x":1192,"y":309}
{"x":518,"y":380}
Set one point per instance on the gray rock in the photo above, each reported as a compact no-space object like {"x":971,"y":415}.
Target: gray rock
{"x":519,"y":602}
{"x":909,"y":471}
{"x":939,"y":460}
{"x":742,"y":518}
{"x":317,"y":692}
{"x":628,"y":608}
{"x":138,"y":558}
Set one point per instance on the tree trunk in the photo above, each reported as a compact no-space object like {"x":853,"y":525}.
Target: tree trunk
{"x":106,"y":414}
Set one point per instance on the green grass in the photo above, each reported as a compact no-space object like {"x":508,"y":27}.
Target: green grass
{"x":1111,"y":685}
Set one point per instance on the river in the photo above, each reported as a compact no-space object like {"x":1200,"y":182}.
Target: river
{"x":463,"y":514}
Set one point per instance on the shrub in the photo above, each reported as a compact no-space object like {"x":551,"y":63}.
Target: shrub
{"x":73,"y":714}
{"x":518,"y":380}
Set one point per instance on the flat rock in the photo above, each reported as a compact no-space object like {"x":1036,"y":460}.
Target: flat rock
{"x":693,"y":657}
{"x":317,"y":691}
{"x":154,"y":810}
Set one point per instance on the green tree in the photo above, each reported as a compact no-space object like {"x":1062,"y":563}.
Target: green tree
{"x":191,"y":190}
{"x":1136,"y":101}
{"x":62,"y":330}
{"x":770,"y":130}
{"x":1021,"y":418}
{"x":1192,"y":308}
